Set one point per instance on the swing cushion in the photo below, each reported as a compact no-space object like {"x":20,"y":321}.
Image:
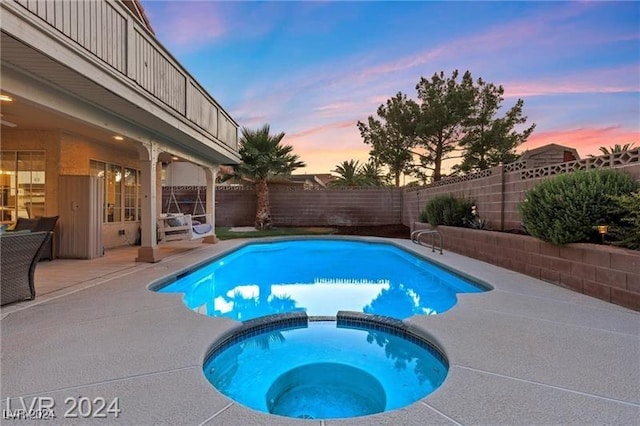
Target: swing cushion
{"x":201,"y":228}
{"x":175,"y":221}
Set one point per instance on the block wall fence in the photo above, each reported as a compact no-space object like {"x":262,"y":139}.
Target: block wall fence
{"x":497,"y":192}
{"x":605,"y":272}
{"x":327,"y":207}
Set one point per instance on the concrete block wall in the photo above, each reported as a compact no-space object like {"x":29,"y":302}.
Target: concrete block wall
{"x":235,"y":207}
{"x":297,"y":207}
{"x":336,"y":207}
{"x":602,"y":271}
{"x":515,"y":187}
{"x":485,"y":192}
{"x":497,"y":196}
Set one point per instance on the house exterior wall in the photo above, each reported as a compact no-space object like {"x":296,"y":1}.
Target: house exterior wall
{"x":75,"y":156}
{"x":68,"y":154}
{"x":76,"y":153}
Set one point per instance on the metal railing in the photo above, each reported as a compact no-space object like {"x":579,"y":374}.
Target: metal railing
{"x":416,"y":237}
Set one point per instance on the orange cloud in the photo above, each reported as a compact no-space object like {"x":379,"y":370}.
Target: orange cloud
{"x":585,"y":140}
{"x":325,"y":161}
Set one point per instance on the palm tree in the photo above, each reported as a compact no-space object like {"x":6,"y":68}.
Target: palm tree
{"x":372,"y":174}
{"x":616,"y":148}
{"x":262,"y":157}
{"x":349,"y":172}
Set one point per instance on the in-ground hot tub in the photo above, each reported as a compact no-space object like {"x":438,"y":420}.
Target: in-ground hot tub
{"x":352,"y":366}
{"x":325,"y":390}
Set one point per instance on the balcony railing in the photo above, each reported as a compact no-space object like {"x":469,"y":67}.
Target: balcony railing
{"x":108,"y":30}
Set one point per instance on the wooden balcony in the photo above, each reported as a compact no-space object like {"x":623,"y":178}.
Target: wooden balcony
{"x":101,"y":52}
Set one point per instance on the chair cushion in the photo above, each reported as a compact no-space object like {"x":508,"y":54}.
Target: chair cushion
{"x":46,"y":223}
{"x":24,"y":224}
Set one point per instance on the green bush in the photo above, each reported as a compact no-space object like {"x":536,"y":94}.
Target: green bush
{"x":446,"y":210}
{"x":627,"y":230}
{"x":565,"y":208}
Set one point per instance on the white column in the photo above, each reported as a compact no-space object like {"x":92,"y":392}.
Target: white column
{"x":149,"y":251}
{"x":211,"y":173}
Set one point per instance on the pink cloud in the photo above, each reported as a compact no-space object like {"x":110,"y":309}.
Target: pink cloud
{"x":587,"y":140}
{"x":191,"y":24}
{"x":319,"y":130}
{"x":337,"y":106}
{"x":616,"y":80}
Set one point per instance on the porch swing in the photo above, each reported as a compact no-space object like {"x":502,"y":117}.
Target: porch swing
{"x":179,"y":226}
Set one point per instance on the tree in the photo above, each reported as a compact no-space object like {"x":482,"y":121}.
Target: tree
{"x":616,"y":148}
{"x":372,"y":174}
{"x":488,"y":140}
{"x":263,"y":156}
{"x":445,"y":105}
{"x":349,"y":174}
{"x":450,"y":115}
{"x":392,"y":135}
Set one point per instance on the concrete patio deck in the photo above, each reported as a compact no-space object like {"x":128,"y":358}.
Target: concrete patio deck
{"x":527,"y":352}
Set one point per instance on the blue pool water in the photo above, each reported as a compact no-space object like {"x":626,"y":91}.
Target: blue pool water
{"x":324,"y":371}
{"x":320,"y":277}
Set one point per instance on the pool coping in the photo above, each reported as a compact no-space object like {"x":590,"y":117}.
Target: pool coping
{"x":526,"y":352}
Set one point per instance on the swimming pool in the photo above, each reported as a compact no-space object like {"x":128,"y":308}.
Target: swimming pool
{"x":320,"y":277}
{"x":326,"y":369}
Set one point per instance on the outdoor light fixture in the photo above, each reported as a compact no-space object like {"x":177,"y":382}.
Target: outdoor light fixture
{"x":602,"y":230}
{"x":6,"y":98}
{"x":118,"y":138}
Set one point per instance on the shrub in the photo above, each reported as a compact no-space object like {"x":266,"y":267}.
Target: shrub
{"x":565,"y":208}
{"x":446,"y":210}
{"x":627,"y":230}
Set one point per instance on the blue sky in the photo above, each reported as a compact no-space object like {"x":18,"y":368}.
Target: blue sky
{"x":313,"y":69}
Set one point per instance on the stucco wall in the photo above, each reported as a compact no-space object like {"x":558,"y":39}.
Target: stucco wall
{"x":76,"y":153}
{"x":69,"y":154}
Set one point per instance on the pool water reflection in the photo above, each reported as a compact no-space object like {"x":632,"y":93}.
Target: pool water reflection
{"x":320,"y":277}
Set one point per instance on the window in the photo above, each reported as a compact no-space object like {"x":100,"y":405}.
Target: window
{"x":113,"y":193}
{"x":121,"y":191}
{"x":132,"y":202}
{"x":22,"y":184}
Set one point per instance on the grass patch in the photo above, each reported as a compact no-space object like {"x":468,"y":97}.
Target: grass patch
{"x":225,"y":233}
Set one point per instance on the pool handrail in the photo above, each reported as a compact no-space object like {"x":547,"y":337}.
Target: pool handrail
{"x":415,"y":237}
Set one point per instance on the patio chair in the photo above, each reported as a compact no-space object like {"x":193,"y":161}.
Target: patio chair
{"x":38,"y":224}
{"x":19,"y":255}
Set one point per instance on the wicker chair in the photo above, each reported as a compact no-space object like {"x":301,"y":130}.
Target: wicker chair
{"x":19,"y":255}
{"x":40,"y":224}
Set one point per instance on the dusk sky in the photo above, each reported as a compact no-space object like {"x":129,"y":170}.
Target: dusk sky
{"x":313,"y":69}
